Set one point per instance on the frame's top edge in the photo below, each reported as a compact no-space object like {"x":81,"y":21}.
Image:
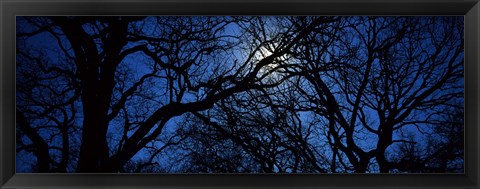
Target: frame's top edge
{"x":244,"y":1}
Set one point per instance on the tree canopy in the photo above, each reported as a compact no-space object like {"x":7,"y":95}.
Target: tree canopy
{"x":240,"y":94}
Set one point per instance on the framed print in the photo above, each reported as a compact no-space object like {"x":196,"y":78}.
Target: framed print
{"x":187,"y":94}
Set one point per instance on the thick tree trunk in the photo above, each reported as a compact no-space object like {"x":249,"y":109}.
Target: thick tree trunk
{"x":385,"y":139}
{"x":361,"y":167}
{"x":94,"y":149}
{"x":382,"y":162}
{"x":97,"y":78}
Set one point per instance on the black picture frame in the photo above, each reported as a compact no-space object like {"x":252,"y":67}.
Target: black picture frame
{"x":11,"y":8}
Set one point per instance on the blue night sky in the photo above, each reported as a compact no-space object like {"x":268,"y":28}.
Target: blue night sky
{"x":222,"y":94}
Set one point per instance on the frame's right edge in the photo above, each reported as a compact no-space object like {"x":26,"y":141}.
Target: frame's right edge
{"x":472,"y":103}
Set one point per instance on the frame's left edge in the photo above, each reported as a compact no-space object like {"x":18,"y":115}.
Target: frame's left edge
{"x":7,"y":100}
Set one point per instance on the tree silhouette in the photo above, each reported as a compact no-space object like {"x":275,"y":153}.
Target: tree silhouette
{"x":391,"y":73}
{"x":240,"y":94}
